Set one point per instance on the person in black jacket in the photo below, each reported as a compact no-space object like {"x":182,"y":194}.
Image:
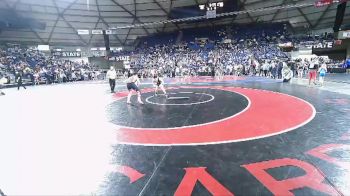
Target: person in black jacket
{"x":19,"y":79}
{"x":279,"y":69}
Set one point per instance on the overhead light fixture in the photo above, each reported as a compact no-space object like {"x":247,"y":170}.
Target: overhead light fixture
{"x":43,"y":47}
{"x":83,"y":32}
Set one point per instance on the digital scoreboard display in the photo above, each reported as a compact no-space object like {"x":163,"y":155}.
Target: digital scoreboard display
{"x":224,"y":6}
{"x":211,"y":6}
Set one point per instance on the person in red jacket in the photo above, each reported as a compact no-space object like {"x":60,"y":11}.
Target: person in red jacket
{"x":313,"y":67}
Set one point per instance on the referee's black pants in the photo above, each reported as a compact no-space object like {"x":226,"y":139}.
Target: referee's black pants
{"x":112,"y":84}
{"x":20,"y":84}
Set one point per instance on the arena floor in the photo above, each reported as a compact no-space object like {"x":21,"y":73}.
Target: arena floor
{"x":223,"y":136}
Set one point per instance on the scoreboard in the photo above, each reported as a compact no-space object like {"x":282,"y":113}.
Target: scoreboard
{"x":211,"y":6}
{"x":209,"y":9}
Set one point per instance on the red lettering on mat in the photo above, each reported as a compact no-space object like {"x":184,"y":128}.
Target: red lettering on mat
{"x":321,"y":153}
{"x":130,"y":172}
{"x":313,"y":178}
{"x":194,"y":174}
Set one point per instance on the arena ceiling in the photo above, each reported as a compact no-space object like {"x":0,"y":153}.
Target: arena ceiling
{"x":62,"y":18}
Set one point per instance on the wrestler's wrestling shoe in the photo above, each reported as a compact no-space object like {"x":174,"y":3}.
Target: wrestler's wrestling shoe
{"x":140,"y":101}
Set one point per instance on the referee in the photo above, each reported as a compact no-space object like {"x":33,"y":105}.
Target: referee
{"x":111,"y":75}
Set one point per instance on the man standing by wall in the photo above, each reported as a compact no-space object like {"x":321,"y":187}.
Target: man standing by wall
{"x":19,"y":79}
{"x":111,"y":76}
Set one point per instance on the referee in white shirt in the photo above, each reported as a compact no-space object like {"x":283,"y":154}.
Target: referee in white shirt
{"x":112,"y":75}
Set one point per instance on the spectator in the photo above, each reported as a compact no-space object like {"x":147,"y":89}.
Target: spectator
{"x":322,"y":71}
{"x":279,"y":69}
{"x":19,"y":80}
{"x":347,"y":63}
{"x":3,"y":80}
{"x":313,"y":67}
{"x":300,"y":69}
{"x":287,"y":73}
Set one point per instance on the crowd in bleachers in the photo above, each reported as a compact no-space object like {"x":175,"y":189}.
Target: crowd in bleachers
{"x":248,"y":50}
{"x":38,"y":68}
{"x":227,"y":59}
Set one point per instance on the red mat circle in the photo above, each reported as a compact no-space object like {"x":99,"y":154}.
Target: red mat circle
{"x":268,"y":114}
